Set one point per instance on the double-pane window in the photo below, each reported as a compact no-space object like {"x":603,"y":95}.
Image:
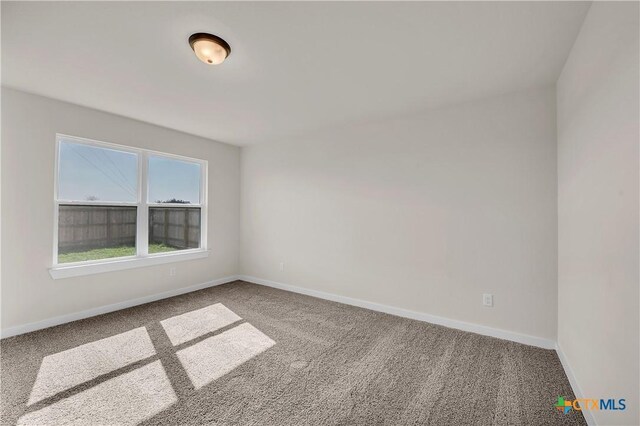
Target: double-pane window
{"x":116,"y":202}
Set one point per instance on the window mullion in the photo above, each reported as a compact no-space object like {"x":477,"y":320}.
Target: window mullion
{"x":204,"y":204}
{"x":143,"y":210}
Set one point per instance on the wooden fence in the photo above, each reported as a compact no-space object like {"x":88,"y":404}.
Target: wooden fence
{"x":175,"y":226}
{"x":83,"y":228}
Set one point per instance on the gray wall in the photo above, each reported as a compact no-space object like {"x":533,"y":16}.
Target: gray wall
{"x":29,"y":126}
{"x":598,"y":208}
{"x":424,"y":213}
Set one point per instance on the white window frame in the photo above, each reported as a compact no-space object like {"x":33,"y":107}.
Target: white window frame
{"x":142,"y":257}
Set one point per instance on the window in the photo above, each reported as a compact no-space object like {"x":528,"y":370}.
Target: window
{"x":174,"y":200}
{"x":119,"y":203}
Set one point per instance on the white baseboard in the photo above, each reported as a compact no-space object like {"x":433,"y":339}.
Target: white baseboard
{"x":27,"y":328}
{"x":577,"y":390}
{"x":420,"y":316}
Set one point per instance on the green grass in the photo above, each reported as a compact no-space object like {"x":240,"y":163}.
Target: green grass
{"x":106,"y":253}
{"x":160,"y":248}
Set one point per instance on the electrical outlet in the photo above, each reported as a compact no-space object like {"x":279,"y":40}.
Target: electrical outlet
{"x":172,"y":271}
{"x":487,"y":299}
{"x":281,"y":266}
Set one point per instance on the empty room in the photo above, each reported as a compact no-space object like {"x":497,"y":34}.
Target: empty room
{"x":320,"y":213}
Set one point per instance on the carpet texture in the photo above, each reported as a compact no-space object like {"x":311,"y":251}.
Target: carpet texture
{"x":244,"y":354}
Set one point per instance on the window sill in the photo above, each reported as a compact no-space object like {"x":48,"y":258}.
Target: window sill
{"x":76,"y":270}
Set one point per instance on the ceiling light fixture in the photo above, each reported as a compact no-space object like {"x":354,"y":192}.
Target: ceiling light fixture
{"x":210,"y":49}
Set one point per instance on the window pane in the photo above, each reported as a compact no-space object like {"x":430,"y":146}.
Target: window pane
{"x":90,"y":173}
{"x":173,"y":228}
{"x":95,"y":232}
{"x":173,"y":181}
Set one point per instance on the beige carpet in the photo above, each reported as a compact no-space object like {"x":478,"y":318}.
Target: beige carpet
{"x":244,"y":354}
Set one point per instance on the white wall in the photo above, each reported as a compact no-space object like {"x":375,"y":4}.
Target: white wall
{"x":29,"y":126}
{"x":598,"y":208}
{"x":424,"y":213}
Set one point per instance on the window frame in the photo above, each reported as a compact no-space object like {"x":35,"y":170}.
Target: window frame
{"x":142,"y":256}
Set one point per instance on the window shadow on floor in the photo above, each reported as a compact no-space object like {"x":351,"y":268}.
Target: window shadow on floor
{"x":132,"y":376}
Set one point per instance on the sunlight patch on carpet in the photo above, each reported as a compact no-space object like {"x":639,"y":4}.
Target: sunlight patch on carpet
{"x":127,"y":399}
{"x":214,"y":357}
{"x":186,"y":327}
{"x":64,"y":370}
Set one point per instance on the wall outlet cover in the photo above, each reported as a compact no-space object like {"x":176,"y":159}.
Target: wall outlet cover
{"x":487,"y":299}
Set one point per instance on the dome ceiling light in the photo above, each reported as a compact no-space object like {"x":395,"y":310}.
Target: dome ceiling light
{"x":210,"y":49}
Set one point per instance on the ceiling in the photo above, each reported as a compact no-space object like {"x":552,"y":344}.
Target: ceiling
{"x":294,"y":67}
